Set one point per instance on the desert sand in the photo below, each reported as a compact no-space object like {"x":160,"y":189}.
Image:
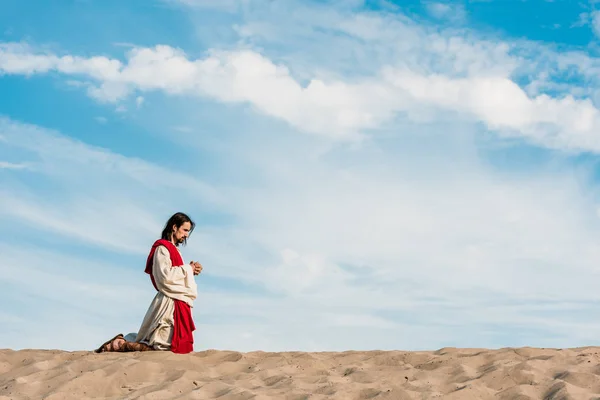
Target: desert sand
{"x":449,"y":373}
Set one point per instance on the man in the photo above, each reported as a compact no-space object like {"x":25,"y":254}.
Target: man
{"x":168,"y":323}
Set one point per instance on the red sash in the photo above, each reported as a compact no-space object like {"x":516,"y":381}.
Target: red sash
{"x":183,"y":339}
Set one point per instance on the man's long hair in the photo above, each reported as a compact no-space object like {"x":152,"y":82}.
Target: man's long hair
{"x":176,"y":219}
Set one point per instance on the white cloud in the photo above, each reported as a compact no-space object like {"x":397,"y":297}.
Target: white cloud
{"x":591,"y":19}
{"x":447,"y":11}
{"x":595,"y":22}
{"x":500,"y":103}
{"x":17,"y":58}
{"x":139,"y":101}
{"x":108,"y":92}
{"x":583,"y":20}
{"x":342,"y":109}
{"x":182,"y":129}
{"x":331,"y":109}
{"x":224,"y":5}
{"x":10,"y":165}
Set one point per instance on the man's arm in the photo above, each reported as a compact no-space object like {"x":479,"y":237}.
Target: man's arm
{"x":162,"y":268}
{"x":171,"y":281}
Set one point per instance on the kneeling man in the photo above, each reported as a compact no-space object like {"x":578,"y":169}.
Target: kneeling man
{"x":168,"y":324}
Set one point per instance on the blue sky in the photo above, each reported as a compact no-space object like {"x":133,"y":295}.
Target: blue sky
{"x":363,"y":175}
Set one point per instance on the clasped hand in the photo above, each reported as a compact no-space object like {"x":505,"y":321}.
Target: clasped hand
{"x":196,"y":266}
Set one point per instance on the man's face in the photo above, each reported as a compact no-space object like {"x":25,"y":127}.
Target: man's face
{"x":181,"y":233}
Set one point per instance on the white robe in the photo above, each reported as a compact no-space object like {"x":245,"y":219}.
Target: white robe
{"x":173,"y":283}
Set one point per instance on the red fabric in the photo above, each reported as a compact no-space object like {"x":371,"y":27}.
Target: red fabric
{"x":183,"y":339}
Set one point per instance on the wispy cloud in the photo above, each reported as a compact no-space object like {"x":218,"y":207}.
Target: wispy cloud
{"x":594,"y":21}
{"x":447,"y":11}
{"x":224,"y":5}
{"x":139,"y":101}
{"x":10,"y":165}
{"x":63,"y":293}
{"x":112,"y":189}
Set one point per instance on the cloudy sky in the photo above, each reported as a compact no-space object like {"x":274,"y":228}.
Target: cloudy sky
{"x":363,"y":174}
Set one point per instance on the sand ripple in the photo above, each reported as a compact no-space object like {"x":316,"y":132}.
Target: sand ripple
{"x":449,"y":373}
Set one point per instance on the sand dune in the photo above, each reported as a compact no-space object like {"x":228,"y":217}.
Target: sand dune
{"x":449,"y":373}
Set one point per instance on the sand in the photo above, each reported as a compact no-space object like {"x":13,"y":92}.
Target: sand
{"x":449,"y":373}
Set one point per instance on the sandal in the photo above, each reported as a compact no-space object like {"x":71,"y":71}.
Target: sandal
{"x":134,"y":346}
{"x":107,"y":346}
